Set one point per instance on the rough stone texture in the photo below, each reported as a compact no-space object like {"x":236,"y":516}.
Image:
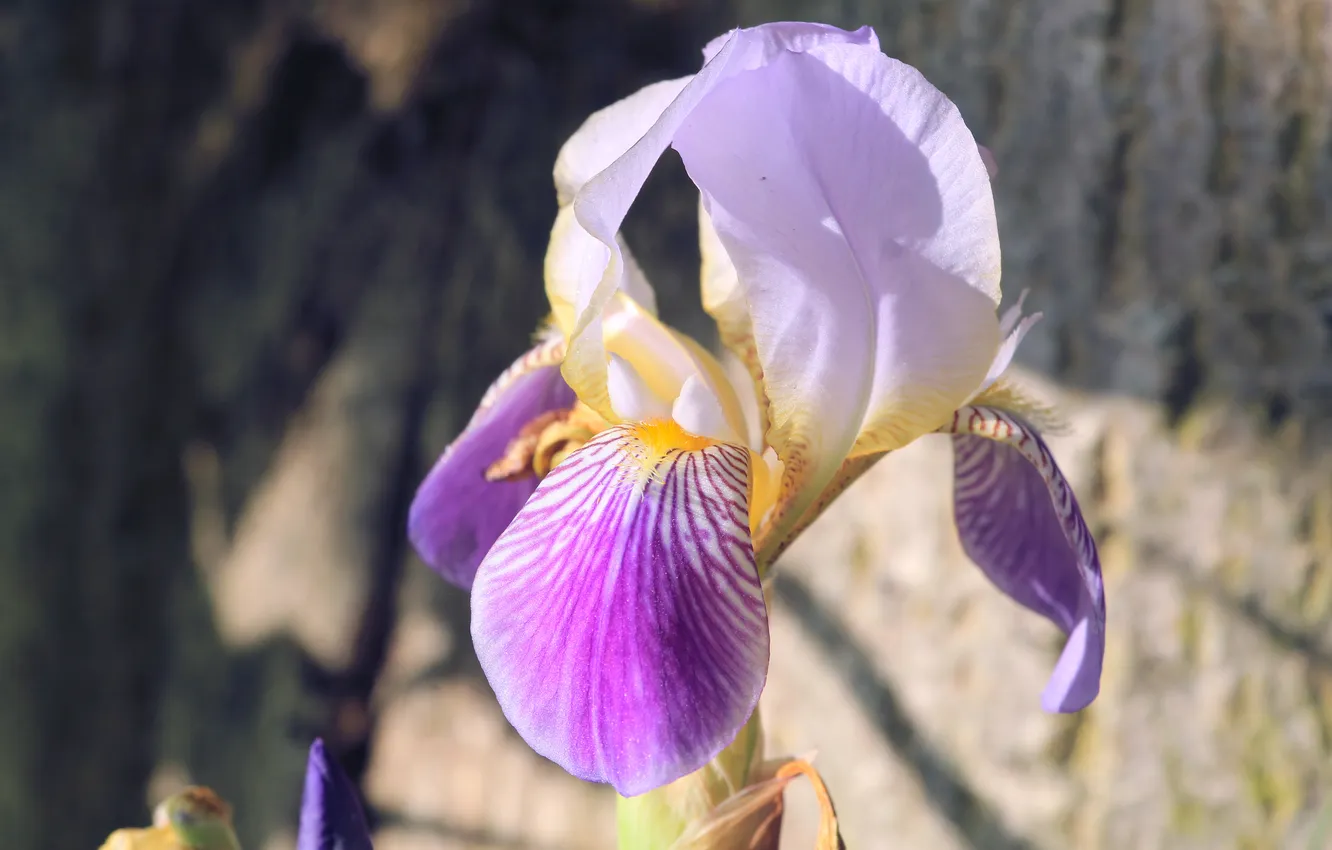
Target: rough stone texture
{"x":258,"y":258}
{"x":1212,"y":726}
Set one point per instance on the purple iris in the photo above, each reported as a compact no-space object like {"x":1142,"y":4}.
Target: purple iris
{"x":851,"y":260}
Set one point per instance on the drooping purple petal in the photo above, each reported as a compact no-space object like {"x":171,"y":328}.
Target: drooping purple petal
{"x":1020,"y":523}
{"x":457,"y":514}
{"x":331,"y":816}
{"x":620,"y":617}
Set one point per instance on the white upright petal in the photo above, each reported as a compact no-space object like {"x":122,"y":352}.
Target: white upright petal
{"x":601,"y":139}
{"x":724,"y":300}
{"x":698,"y":411}
{"x":856,"y":209}
{"x":759,"y":45}
{"x":630,"y":395}
{"x":582,"y":277}
{"x":608,"y":133}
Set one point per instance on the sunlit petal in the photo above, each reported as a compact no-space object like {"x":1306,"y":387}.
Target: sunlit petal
{"x":724,"y":300}
{"x":602,"y":138}
{"x":608,"y":133}
{"x":698,"y":412}
{"x":630,"y":395}
{"x":758,"y":46}
{"x":457,"y":514}
{"x":582,"y":277}
{"x":854,"y":204}
{"x":1020,"y":522}
{"x":620,"y":617}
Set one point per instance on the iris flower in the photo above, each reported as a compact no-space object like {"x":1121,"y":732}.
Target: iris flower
{"x":620,"y":494}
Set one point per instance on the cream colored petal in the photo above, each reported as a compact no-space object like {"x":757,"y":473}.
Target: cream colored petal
{"x":630,"y":395}
{"x":698,"y":411}
{"x":585,"y":265}
{"x":724,"y":300}
{"x":608,"y":134}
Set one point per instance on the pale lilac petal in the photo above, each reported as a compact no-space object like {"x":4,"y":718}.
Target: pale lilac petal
{"x":585,"y":262}
{"x":723,"y":297}
{"x":331,"y":816}
{"x":601,"y":139}
{"x":457,"y":514}
{"x":630,"y":395}
{"x":571,"y":256}
{"x":1020,"y":523}
{"x":620,"y":617}
{"x":762,"y":44}
{"x":854,"y":204}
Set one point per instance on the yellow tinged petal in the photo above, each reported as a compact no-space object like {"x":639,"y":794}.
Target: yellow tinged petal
{"x":658,"y":438}
{"x":770,"y":543}
{"x":564,"y":258}
{"x":751,"y":818}
{"x":718,"y":382}
{"x":608,"y":133}
{"x":193,"y":819}
{"x":724,"y":300}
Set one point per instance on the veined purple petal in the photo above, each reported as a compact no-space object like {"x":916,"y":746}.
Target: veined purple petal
{"x":620,"y":617}
{"x":457,"y":514}
{"x":1020,"y":523}
{"x":331,"y":816}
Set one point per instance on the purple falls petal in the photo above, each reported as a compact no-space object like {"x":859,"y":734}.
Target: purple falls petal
{"x":457,"y":514}
{"x":1020,"y":523}
{"x":620,"y":617}
{"x":331,"y":816}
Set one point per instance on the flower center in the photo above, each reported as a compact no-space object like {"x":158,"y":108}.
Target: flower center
{"x":543,"y":442}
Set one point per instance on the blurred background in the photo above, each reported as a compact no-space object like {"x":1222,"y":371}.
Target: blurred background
{"x":260,"y":258}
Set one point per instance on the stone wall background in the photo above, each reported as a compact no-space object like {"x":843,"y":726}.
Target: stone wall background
{"x":259,"y":258}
